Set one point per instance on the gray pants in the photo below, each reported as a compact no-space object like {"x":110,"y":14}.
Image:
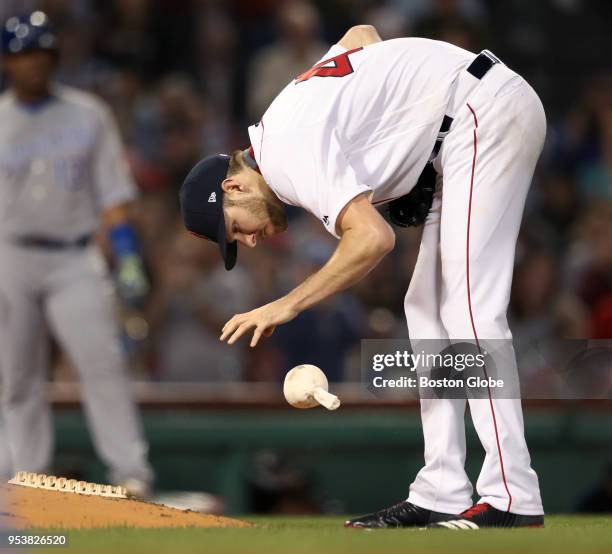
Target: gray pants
{"x":68,"y":292}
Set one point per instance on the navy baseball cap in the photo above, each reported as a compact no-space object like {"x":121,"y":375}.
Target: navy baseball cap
{"x":201,"y":198}
{"x":28,"y":32}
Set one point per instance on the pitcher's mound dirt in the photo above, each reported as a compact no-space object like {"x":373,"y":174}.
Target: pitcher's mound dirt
{"x":26,"y":507}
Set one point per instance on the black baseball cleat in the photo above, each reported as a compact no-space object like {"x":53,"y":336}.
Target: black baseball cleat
{"x":403,"y":514}
{"x":484,"y":515}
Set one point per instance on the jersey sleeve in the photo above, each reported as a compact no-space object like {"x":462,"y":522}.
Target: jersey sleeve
{"x":337,"y":183}
{"x":321,"y":178}
{"x":113,"y":183}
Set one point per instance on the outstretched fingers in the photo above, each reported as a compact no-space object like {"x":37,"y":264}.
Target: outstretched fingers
{"x":239,"y":325}
{"x":230,"y":327}
{"x":262,"y":321}
{"x":259,"y":330}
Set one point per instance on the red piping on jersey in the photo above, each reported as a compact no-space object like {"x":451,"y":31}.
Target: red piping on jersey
{"x":252,"y":155}
{"x":252,"y":151}
{"x":469,"y":297}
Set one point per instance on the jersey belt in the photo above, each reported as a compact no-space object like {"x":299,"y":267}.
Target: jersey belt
{"x":478,"y":68}
{"x":46,"y":243}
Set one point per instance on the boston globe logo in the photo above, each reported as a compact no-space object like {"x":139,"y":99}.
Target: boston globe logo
{"x":459,"y":370}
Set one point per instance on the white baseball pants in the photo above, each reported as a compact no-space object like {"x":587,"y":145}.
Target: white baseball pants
{"x":460,"y":288}
{"x":70,"y":293}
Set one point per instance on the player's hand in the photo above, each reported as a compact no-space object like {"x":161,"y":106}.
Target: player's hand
{"x":264,"y":320}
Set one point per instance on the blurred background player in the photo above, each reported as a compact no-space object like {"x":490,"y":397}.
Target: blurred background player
{"x":61,"y":171}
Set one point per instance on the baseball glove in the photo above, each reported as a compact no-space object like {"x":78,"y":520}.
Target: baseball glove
{"x":411,"y":209}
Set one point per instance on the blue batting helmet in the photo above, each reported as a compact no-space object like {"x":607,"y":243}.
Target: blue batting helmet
{"x":26,"y":33}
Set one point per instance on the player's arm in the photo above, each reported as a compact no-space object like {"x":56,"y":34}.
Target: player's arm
{"x":132,"y":282}
{"x":359,"y":36}
{"x":115,"y":190}
{"x":365,"y":239}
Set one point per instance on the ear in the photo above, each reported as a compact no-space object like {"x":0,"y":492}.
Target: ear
{"x":233,"y":185}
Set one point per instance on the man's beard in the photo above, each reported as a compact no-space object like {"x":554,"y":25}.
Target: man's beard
{"x":275,"y":211}
{"x":264,"y":209}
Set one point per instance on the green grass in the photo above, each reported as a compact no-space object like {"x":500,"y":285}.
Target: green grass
{"x":563,"y":534}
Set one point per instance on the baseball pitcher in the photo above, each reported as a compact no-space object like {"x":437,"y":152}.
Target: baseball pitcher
{"x":61,"y":170}
{"x":446,"y":138}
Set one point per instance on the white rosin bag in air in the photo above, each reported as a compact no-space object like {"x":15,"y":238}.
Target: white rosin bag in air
{"x":306,"y":386}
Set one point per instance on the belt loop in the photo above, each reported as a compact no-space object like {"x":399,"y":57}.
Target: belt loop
{"x":482,"y":64}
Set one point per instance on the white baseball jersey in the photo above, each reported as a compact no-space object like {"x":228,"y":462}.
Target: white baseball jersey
{"x":364,"y":121}
{"x":60,"y":163}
